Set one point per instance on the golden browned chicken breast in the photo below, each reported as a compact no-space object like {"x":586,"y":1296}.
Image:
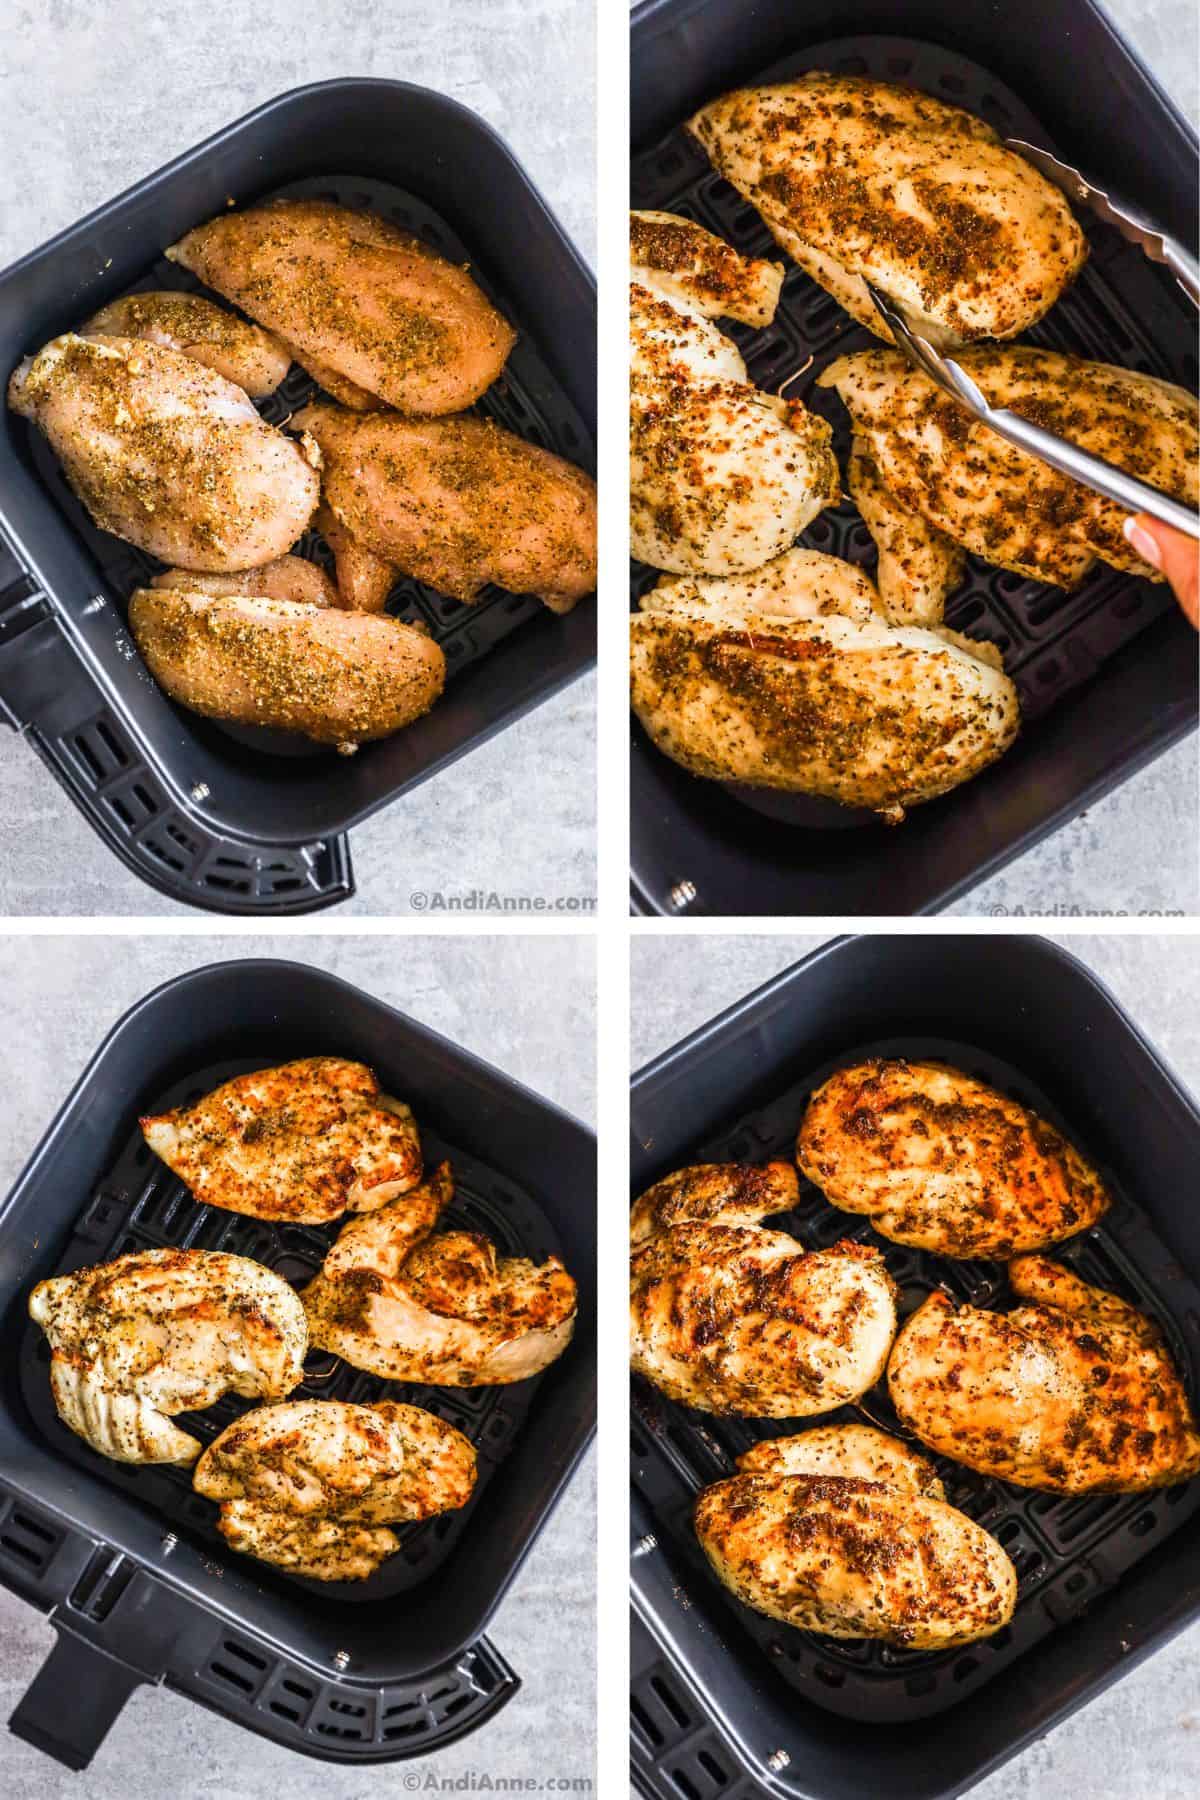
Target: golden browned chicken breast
{"x":862,"y":181}
{"x":1073,"y":1391}
{"x":729,"y":1317}
{"x":1011,"y":509}
{"x":340,"y":678}
{"x":360,"y":301}
{"x":793,"y":683}
{"x":443,"y":1308}
{"x":160,"y":1332}
{"x":459,"y":503}
{"x":807,"y":1536}
{"x":304,"y":1142}
{"x":287,"y":578}
{"x":364,"y":580}
{"x":939,"y":1160}
{"x":722,"y":475}
{"x":166,"y":453}
{"x":241,"y":352}
{"x":919,"y":566}
{"x":683,"y":261}
{"x":313,"y":1485}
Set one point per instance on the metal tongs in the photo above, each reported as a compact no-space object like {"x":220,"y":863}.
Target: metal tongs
{"x":1092,"y":471}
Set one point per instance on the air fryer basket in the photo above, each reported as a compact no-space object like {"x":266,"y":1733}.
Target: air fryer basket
{"x":745,"y":850}
{"x":357,"y":1671}
{"x":392,"y":148}
{"x":1071,"y":1554}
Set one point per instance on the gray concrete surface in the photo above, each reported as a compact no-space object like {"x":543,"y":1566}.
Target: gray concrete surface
{"x":526,"y":1005}
{"x":1140,"y":1740}
{"x":95,"y":94}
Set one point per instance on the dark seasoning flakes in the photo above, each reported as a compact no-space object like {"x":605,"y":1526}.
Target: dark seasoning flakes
{"x":1065,"y":1549}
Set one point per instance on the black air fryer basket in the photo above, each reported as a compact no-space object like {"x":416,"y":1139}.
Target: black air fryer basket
{"x":721,"y":1694}
{"x":235,"y":819}
{"x":126,"y":1560}
{"x":1107,"y":675}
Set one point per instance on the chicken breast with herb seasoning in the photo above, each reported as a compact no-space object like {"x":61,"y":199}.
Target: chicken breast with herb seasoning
{"x":167,"y":454}
{"x":792,"y":678}
{"x":847,"y":1532}
{"x":458,"y":503}
{"x":371,"y":312}
{"x":304,"y":1143}
{"x":196,"y":327}
{"x":1073,"y":1390}
{"x":1011,"y":509}
{"x":943,"y":1162}
{"x":862,"y":181}
{"x":312,"y":1486}
{"x":731,"y":1317}
{"x":338,"y":677}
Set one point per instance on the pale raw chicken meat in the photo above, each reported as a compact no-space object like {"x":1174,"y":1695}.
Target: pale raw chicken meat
{"x":372,"y":313}
{"x":168,"y":454}
{"x":287,"y":578}
{"x":199,"y":328}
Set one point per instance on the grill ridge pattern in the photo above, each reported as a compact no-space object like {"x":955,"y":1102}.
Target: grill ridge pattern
{"x":1066,"y":1549}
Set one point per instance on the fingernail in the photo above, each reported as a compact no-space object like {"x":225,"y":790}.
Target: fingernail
{"x":1145,"y":545}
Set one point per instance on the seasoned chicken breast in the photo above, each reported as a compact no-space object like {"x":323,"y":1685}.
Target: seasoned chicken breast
{"x":684,"y":262}
{"x":305,"y":1142}
{"x":312,"y":1486}
{"x":1073,"y":1390}
{"x":287,"y":578}
{"x":919,"y":566}
{"x":364,"y":580}
{"x":1011,"y":509}
{"x":813,"y":694}
{"x":443,"y":1308}
{"x":729,"y":1317}
{"x":367,"y":308}
{"x":196,"y":327}
{"x":941,"y":1161}
{"x":159,"y":1332}
{"x":722,"y":475}
{"x":340,"y":678}
{"x":168,"y":454}
{"x":805,"y":1536}
{"x":862,"y":181}
{"x":459,"y":503}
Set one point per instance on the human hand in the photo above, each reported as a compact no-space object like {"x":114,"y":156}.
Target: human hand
{"x":1175,"y":553}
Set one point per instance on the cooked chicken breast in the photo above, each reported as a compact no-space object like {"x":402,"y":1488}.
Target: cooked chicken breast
{"x":730,"y":1317}
{"x":287,"y":578}
{"x":241,"y":352}
{"x":340,"y":678}
{"x":919,"y":566}
{"x":312,"y":1486}
{"x":804,"y":1536}
{"x":360,"y":301}
{"x":1073,"y":1391}
{"x":364,"y":580}
{"x":442,"y":1308}
{"x":800,"y":584}
{"x":861,"y":181}
{"x":683,"y":261}
{"x":811,"y":694}
{"x":722,"y":475}
{"x":459,"y":503}
{"x":304,"y":1142}
{"x":160,"y":1332}
{"x":166,"y":453}
{"x":1002,"y":505}
{"x":941,"y":1161}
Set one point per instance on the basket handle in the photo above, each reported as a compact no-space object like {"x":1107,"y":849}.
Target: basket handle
{"x":73,"y":1700}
